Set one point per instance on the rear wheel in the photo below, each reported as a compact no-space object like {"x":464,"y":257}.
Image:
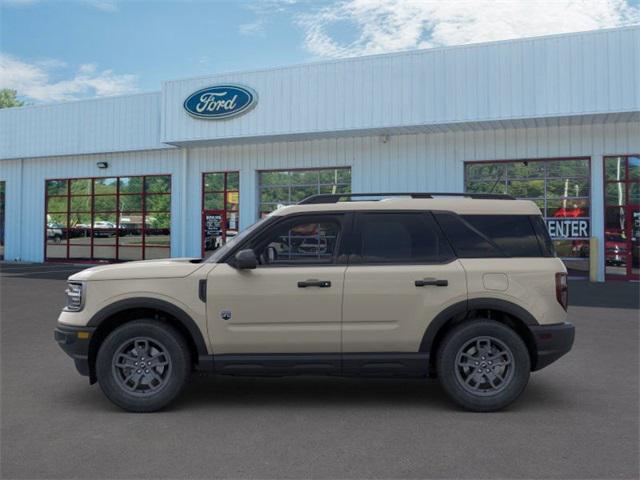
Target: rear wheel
{"x":143,"y":365}
{"x":483,"y":365}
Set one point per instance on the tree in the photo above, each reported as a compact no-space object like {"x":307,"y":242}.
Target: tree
{"x":8,"y":98}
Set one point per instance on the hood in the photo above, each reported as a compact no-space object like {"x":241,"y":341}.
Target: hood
{"x":165,"y":268}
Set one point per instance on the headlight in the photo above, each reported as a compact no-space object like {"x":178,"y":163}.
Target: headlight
{"x":75,"y":297}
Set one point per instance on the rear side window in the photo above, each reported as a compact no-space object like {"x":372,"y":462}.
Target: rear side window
{"x":467,"y":241}
{"x":513,"y":234}
{"x":398,"y":237}
{"x":546,"y":244}
{"x":482,"y":236}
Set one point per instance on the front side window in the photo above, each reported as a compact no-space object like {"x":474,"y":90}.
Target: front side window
{"x":304,"y":241}
{"x":398,"y":238}
{"x":279,"y":188}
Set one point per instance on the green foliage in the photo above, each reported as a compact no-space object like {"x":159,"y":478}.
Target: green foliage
{"x":8,"y":98}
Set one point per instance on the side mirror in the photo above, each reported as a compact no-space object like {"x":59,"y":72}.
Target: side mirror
{"x":246,"y":260}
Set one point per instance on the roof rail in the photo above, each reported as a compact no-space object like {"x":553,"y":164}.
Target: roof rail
{"x":336,"y":197}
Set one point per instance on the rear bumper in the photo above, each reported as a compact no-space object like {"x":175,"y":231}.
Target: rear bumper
{"x":74,"y":345}
{"x":552,"y":342}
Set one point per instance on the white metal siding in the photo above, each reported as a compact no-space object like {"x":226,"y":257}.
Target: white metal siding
{"x":558,"y":76}
{"x":113,"y":124}
{"x":26,"y":192}
{"x":416,"y":162}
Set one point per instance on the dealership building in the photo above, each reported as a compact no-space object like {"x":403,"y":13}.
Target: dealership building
{"x":176,"y":172}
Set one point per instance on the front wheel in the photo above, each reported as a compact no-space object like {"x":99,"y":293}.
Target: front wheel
{"x":483,"y":365}
{"x":143,"y":365}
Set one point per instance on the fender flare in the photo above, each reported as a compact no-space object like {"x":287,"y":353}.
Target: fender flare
{"x":156,"y":304}
{"x":461,"y":309}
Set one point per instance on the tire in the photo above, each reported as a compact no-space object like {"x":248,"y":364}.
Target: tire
{"x":134,"y":384}
{"x":492,"y":348}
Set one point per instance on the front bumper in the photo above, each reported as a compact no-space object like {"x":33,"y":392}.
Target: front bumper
{"x":75,"y":342}
{"x":552,"y":342}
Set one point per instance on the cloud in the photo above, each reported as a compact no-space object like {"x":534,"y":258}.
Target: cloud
{"x":34,"y":80}
{"x":391,"y":25}
{"x":104,"y":5}
{"x":266,"y":7}
{"x":253,"y":28}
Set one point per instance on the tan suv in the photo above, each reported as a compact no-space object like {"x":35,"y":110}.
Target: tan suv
{"x":463,"y":287}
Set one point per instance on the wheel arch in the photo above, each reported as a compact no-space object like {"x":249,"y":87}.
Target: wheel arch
{"x":500,"y":310}
{"x":123,"y":311}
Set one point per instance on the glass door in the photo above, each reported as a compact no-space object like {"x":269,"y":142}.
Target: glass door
{"x":220,"y":209}
{"x":2,"y":187}
{"x":622,"y":217}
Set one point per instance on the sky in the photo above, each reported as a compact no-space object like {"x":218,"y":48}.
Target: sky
{"x":55,"y":50}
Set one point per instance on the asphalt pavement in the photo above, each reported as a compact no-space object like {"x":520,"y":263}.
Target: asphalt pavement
{"x":578,"y":418}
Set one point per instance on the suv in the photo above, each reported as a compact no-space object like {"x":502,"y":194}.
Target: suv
{"x":461,"y":287}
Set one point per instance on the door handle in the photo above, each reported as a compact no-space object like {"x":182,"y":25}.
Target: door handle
{"x":314,"y":283}
{"x":428,"y":282}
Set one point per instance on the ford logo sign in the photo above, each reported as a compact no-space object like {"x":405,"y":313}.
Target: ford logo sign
{"x":220,"y":101}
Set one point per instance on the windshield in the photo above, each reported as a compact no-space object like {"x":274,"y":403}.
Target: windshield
{"x":222,"y":251}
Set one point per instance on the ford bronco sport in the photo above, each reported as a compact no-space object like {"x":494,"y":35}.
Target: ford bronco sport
{"x":465,"y":288}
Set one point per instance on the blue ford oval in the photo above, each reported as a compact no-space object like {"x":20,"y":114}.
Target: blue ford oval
{"x":220,"y":101}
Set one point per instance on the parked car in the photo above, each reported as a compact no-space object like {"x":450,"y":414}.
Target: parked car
{"x":104,"y":229}
{"x":54,"y":232}
{"x":464,"y":288}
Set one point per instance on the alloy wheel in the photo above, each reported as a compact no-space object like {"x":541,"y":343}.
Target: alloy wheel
{"x":141,"y":366}
{"x":484,"y":366}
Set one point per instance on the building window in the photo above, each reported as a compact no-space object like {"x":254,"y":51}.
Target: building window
{"x":279,"y":188}
{"x":622,"y":216}
{"x":220,"y":209}
{"x":2,"y":187}
{"x":561,"y":189}
{"x":108,"y":219}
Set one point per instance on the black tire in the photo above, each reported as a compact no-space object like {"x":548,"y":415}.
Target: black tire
{"x":460,"y":358}
{"x":144,"y":392}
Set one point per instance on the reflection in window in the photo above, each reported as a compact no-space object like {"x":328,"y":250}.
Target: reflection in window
{"x":561,"y":188}
{"x":302,"y":243}
{"x":281,"y":188}
{"x":118,"y":218}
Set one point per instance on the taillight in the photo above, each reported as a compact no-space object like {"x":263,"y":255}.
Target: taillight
{"x":562,"y":289}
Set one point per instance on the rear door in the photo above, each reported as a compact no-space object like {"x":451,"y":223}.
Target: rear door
{"x":402,"y":274}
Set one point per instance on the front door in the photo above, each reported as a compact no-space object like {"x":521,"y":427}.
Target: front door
{"x":291,"y":303}
{"x":220,"y":212}
{"x":403,"y":273}
{"x":622,"y":217}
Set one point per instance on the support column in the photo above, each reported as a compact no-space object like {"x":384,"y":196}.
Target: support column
{"x":597,"y":213}
{"x":184,"y":204}
{"x":248,"y":198}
